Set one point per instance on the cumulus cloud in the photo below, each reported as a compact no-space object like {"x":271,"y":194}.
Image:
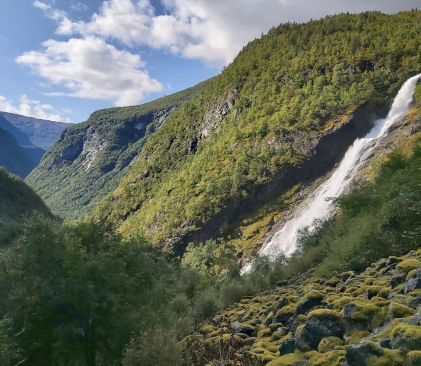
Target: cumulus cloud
{"x":91,"y":68}
{"x":213,"y":31}
{"x":32,"y":108}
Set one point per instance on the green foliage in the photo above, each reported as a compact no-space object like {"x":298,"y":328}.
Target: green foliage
{"x":17,"y":201}
{"x":12,"y":156}
{"x":90,"y":298}
{"x":115,"y":136}
{"x":286,"y":89}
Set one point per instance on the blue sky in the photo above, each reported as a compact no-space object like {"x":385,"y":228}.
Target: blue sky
{"x":64,"y":59}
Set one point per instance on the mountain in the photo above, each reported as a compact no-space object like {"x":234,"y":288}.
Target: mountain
{"x":17,"y":201}
{"x":170,"y":269}
{"x":89,"y":159}
{"x":13,"y":157}
{"x":231,"y":163}
{"x":30,"y":131}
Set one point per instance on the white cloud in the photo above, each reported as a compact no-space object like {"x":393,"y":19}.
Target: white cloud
{"x":32,"y":108}
{"x":91,"y":68}
{"x":213,"y":31}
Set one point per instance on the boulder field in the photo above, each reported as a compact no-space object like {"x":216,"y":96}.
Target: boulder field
{"x":370,"y":318}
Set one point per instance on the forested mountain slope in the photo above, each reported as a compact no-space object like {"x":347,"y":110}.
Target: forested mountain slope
{"x":90,"y":158}
{"x":14,"y":158}
{"x":301,"y":94}
{"x":17,"y":201}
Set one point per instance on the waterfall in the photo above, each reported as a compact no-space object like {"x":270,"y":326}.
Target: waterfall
{"x":318,"y":206}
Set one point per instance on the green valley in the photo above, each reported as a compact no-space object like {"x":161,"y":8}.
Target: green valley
{"x":141,"y":238}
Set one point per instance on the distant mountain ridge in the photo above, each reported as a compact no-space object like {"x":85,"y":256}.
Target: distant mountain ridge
{"x":15,"y":158}
{"x":89,"y":159}
{"x":30,"y":131}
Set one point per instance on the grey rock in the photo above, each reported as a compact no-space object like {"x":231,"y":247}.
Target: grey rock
{"x":358,"y":354}
{"x":287,"y":346}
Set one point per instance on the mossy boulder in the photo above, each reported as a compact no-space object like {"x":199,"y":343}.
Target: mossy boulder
{"x":397,"y":310}
{"x":406,"y":337}
{"x":363,"y":313}
{"x":320,"y":323}
{"x":284,"y":314}
{"x":414,"y":281}
{"x":414,"y":358}
{"x":244,"y":328}
{"x":287,"y":346}
{"x":359,"y":354}
{"x":310,"y":300}
{"x":409,"y":264}
{"x":331,"y":358}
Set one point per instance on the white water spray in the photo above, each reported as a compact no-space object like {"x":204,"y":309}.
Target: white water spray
{"x":318,"y":206}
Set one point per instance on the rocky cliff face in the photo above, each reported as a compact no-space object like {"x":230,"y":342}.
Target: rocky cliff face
{"x":352,"y":319}
{"x":89,"y":159}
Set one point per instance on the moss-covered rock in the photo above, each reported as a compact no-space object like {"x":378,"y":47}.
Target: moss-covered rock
{"x":320,"y":323}
{"x":329,"y":343}
{"x":362,"y":322}
{"x":397,"y":310}
{"x":406,"y":337}
{"x":414,"y":358}
{"x":409,"y":264}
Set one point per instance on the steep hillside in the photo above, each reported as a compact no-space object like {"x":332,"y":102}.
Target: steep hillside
{"x":14,"y":157}
{"x":90,"y":158}
{"x":278,"y":118}
{"x":17,"y":201}
{"x":30,"y":131}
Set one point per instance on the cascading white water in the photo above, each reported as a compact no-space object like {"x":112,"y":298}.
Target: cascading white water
{"x":318,"y":206}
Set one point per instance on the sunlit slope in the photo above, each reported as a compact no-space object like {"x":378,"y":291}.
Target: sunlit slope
{"x":89,"y":159}
{"x":261,"y":117}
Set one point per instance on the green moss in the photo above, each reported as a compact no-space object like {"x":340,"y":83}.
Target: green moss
{"x":397,"y":310}
{"x":325,"y":314}
{"x":408,"y":335}
{"x":269,"y":318}
{"x":384,"y":292}
{"x":373,"y":291}
{"x":277,"y":335}
{"x":328,"y":344}
{"x":364,"y":311}
{"x":287,"y":360}
{"x":414,"y":358}
{"x":389,"y":358}
{"x":409,"y":264}
{"x":354,"y":336}
{"x":411,"y":274}
{"x":264,"y":333}
{"x":332,"y":358}
{"x":287,"y":310}
{"x":314,"y":295}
